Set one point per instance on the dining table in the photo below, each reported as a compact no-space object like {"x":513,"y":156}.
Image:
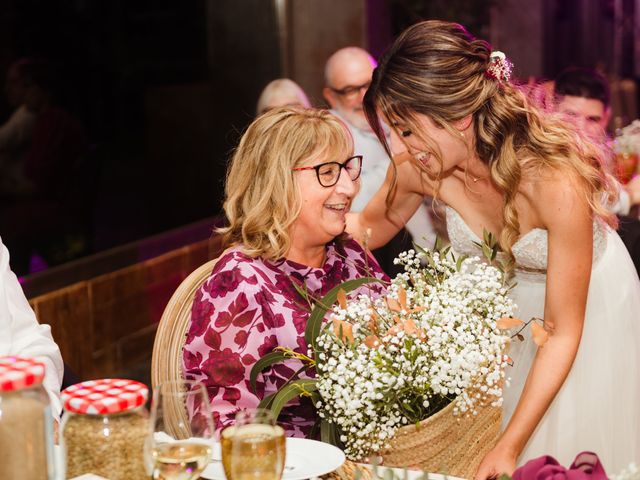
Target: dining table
{"x":381,"y":473}
{"x":369,"y":471}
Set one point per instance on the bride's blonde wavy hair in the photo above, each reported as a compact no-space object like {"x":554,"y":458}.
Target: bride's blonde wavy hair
{"x":262,"y":195}
{"x":438,"y":69}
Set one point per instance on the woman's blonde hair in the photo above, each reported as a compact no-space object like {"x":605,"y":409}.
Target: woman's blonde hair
{"x":438,"y":69}
{"x":262,"y":196}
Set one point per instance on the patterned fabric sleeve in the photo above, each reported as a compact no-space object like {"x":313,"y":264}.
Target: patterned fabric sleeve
{"x":248,"y":307}
{"x":225,"y":338}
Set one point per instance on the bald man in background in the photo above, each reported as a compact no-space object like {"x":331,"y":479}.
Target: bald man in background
{"x":347,"y":76}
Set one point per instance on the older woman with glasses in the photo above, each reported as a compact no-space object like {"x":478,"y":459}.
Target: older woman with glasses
{"x":289,"y":186}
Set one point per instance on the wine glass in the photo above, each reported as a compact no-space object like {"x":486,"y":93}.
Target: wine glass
{"x":254,"y":447}
{"x":179,"y":445}
{"x":626,"y":166}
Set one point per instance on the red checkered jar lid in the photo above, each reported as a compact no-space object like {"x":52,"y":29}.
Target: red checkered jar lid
{"x":17,"y":373}
{"x":100,"y":397}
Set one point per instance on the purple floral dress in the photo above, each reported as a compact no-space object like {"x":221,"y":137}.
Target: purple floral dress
{"x":249,"y":306}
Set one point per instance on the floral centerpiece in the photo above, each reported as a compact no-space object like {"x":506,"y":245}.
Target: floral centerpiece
{"x":386,"y":364}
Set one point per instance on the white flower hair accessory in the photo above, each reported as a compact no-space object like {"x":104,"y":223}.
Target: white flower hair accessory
{"x":499,"y":67}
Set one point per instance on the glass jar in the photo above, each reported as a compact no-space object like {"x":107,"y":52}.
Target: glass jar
{"x":104,"y":429}
{"x":26,"y":424}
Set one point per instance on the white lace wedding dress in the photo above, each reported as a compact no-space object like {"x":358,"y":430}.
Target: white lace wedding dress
{"x":598,"y":407}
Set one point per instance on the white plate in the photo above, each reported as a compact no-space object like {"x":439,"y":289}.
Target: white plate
{"x":305,"y":459}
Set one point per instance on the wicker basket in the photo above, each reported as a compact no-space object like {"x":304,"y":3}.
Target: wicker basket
{"x":444,"y":443}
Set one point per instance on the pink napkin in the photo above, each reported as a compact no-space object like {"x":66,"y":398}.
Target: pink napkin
{"x":586,"y":466}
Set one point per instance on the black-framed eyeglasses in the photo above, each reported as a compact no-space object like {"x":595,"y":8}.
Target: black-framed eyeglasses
{"x":350,"y":90}
{"x":329,"y":173}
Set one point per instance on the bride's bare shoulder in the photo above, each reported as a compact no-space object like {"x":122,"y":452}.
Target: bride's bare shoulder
{"x":553,"y":192}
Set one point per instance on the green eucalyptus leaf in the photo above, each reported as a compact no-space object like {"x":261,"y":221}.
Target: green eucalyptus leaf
{"x":459,"y":261}
{"x":420,"y":249}
{"x":264,"y":362}
{"x":315,"y":429}
{"x":486,"y":236}
{"x":328,"y":432}
{"x":430,"y":277}
{"x":289,"y":392}
{"x":315,"y":397}
{"x":302,"y":291}
{"x":266,"y":401}
{"x":487,"y":252}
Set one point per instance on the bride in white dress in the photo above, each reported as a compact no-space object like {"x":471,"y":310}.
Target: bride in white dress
{"x":473,"y":142}
{"x":597,"y":407}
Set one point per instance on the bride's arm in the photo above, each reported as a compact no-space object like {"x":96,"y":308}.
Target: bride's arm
{"x":384,"y":221}
{"x":568,"y":220}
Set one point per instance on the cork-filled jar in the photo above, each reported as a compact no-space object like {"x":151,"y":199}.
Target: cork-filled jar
{"x":26,"y":424}
{"x":104,"y":428}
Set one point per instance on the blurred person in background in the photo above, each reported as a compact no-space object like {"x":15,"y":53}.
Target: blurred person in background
{"x":15,"y":133}
{"x":59,"y":141}
{"x":347,"y":76}
{"x":49,"y":220}
{"x":583,"y":96}
{"x":281,"y":92}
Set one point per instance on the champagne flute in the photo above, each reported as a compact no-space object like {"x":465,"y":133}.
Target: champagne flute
{"x":179,"y":445}
{"x":253,"y":448}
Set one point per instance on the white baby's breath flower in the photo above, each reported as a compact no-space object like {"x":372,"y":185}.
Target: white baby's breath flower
{"x":436,"y":338}
{"x":630,"y":473}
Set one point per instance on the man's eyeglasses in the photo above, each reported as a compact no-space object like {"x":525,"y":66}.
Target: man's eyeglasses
{"x":350,"y":90}
{"x":329,"y":173}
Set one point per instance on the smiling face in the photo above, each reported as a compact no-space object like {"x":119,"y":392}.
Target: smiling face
{"x":323,"y":214}
{"x":437,"y":149}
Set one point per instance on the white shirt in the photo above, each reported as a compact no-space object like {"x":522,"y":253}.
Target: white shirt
{"x":375,"y":163}
{"x":23,"y":336}
{"x":622,"y":206}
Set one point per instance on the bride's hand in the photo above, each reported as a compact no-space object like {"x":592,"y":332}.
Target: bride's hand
{"x":495,"y":463}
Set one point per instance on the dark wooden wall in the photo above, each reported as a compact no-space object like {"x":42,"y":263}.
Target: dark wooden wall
{"x":107,"y":324}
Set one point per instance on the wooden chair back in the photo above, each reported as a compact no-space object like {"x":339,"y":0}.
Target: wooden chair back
{"x":166,"y":362}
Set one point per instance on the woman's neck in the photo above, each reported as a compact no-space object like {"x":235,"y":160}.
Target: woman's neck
{"x":311,"y":256}
{"x":474,"y":170}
